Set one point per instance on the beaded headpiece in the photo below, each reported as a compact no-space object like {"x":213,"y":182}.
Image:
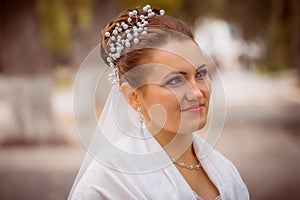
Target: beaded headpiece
{"x":124,"y":34}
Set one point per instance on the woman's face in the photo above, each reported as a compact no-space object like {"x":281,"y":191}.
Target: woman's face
{"x":175,"y":96}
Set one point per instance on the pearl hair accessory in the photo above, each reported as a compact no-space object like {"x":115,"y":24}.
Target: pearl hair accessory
{"x":124,"y":34}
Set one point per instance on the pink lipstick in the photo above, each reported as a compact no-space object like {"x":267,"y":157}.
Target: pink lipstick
{"x":194,"y":108}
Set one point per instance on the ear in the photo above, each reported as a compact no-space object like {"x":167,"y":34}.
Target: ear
{"x":130,"y":94}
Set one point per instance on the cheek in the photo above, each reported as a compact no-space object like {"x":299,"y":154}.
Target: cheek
{"x":206,"y":92}
{"x":160,"y":102}
{"x":205,"y":88}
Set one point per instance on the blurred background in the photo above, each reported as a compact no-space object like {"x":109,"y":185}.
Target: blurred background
{"x":255,"y":44}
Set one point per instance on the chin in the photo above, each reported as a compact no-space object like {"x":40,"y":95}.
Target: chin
{"x":191,"y":128}
{"x":202,"y":123}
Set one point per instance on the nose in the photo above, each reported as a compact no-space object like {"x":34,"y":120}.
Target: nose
{"x":193,"y":91}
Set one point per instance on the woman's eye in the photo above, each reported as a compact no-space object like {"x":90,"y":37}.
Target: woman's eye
{"x":175,"y":81}
{"x":201,"y":73}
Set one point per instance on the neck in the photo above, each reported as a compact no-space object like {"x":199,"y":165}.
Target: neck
{"x":176,"y":145}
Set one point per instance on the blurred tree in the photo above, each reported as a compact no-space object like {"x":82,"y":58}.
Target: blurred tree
{"x":276,"y":22}
{"x":39,"y":33}
{"x":35,"y":36}
{"x":55,"y":25}
{"x":56,"y":19}
{"x":21,"y":48}
{"x":22,"y":58}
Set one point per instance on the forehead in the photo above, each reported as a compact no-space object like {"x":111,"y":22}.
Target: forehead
{"x":179,"y":56}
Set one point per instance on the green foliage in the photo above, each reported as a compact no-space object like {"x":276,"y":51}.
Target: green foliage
{"x":56,"y":22}
{"x":55,"y":25}
{"x":81,"y":11}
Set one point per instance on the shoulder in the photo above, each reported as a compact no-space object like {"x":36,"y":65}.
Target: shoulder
{"x":212,"y":158}
{"x":88,"y":185}
{"x":99,"y":182}
{"x":232,"y":181}
{"x":222,"y":171}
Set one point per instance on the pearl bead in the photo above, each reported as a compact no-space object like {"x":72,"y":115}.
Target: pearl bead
{"x":127,"y":44}
{"x":191,"y":167}
{"x":112,"y":49}
{"x":181,"y":164}
{"x":136,"y":40}
{"x":109,"y":59}
{"x":129,"y":36}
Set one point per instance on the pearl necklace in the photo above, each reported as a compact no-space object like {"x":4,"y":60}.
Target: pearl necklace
{"x":183,"y":165}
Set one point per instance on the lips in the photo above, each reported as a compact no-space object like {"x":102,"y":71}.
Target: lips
{"x":194,"y":108}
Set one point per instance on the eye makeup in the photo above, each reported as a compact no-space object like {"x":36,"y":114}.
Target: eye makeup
{"x":177,"y":78}
{"x":201,"y":72}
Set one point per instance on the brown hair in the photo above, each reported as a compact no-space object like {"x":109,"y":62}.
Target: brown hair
{"x":160,"y":30}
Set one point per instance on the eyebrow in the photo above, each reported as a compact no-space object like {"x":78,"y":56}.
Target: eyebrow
{"x":183,"y":73}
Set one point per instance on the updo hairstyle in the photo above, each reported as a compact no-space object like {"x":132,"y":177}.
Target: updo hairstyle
{"x":160,"y":30}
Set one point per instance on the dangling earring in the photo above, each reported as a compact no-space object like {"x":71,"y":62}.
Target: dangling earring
{"x":141,"y":118}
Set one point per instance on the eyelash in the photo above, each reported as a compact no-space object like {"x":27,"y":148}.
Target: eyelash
{"x":203,"y":73}
{"x":181,"y":79}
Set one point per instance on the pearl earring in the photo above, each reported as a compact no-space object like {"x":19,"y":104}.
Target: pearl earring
{"x":141,"y":118}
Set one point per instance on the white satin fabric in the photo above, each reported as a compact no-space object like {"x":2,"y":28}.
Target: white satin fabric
{"x":101,"y":182}
{"x":122,"y":164}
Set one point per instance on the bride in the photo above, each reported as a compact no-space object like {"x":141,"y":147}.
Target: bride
{"x":146,"y":144}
